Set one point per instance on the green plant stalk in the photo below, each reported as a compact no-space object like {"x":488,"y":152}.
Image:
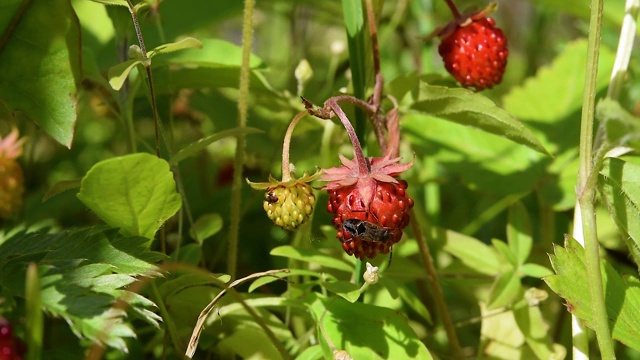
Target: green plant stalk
{"x":586,"y":188}
{"x":238,"y":165}
{"x":167,"y":320}
{"x":35,"y":322}
{"x":432,"y":276}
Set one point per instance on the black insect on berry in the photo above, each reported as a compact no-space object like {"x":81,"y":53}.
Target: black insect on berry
{"x":271,"y":197}
{"x":365,"y":230}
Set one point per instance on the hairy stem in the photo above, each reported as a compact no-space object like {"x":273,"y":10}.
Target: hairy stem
{"x":586,"y":187}
{"x":243,"y":104}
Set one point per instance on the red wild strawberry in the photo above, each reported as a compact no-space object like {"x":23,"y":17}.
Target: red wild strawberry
{"x":11,"y":348}
{"x":474,"y":51}
{"x":372,"y":193}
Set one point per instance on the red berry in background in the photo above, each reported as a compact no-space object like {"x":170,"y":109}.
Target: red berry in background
{"x":375,"y":196}
{"x":10,"y":347}
{"x":474,"y":51}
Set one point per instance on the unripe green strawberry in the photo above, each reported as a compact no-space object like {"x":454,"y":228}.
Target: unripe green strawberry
{"x":11,"y":177}
{"x":288,"y":204}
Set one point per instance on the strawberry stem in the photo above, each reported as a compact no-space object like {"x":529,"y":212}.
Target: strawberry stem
{"x":454,"y":9}
{"x":286,"y":171}
{"x":359,"y":158}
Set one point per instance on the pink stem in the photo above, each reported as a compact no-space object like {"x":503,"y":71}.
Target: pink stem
{"x":286,"y":172}
{"x":359,"y":158}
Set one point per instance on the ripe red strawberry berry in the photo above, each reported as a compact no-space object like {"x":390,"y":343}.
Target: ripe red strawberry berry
{"x":474,"y":51}
{"x":10,"y":347}
{"x":372,"y":193}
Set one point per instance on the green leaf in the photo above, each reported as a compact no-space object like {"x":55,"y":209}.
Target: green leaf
{"x":313,"y":352}
{"x":213,"y":53}
{"x":82,"y":273}
{"x":40,"y":65}
{"x":519,"y":232}
{"x":61,"y":186}
{"x":186,"y":43}
{"x":135,"y":192}
{"x":505,"y":290}
{"x":481,"y":160}
{"x":556,"y":90}
{"x":473,"y":109}
{"x":472,"y":252}
{"x":188,"y":254}
{"x":183,"y":282}
{"x":312,"y":256}
{"x":206,"y":226}
{"x":195,"y":147}
{"x":621,"y":127}
{"x":620,"y":188}
{"x":622,"y":297}
{"x":506,"y":252}
{"x":365,"y":331}
{"x":535,"y":331}
{"x":345,"y":289}
{"x":415,"y":303}
{"x":118,"y":73}
{"x":113,"y":2}
{"x":535,"y":270}
{"x":217,"y":64}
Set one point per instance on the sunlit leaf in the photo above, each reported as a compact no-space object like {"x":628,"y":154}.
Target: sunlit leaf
{"x":82,"y":273}
{"x":472,"y":252}
{"x":473,"y":109}
{"x":622,"y":298}
{"x":556,"y":90}
{"x":118,"y":73}
{"x":366,"y":331}
{"x":186,"y":43}
{"x":113,"y":2}
{"x":519,"y":232}
{"x":505,"y":290}
{"x":482,"y":160}
{"x":135,"y":192}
